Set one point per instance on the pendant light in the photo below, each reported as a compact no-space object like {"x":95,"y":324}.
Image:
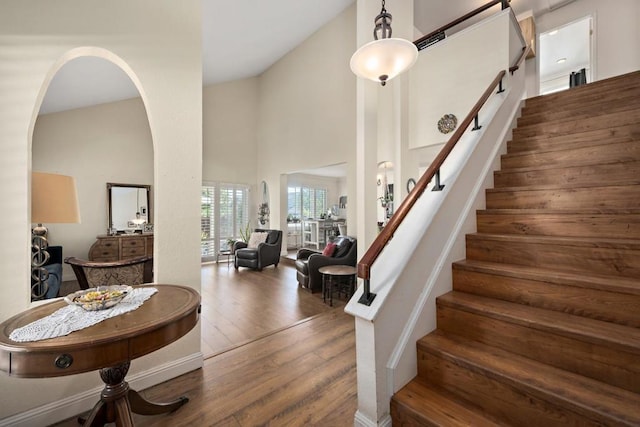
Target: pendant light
{"x":385,"y":57}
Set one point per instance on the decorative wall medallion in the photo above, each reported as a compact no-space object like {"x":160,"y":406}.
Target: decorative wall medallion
{"x":447,"y":123}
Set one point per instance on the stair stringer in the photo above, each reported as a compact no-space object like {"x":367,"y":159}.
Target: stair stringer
{"x":404,"y":309}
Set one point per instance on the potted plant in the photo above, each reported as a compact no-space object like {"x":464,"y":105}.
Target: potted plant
{"x":245,"y":234}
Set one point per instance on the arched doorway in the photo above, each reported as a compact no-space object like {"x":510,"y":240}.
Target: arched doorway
{"x":92,"y":125}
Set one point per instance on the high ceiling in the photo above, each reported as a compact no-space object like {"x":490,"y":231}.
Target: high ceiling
{"x":262,"y":32}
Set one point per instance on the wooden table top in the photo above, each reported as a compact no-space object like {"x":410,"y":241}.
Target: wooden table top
{"x":165,"y":317}
{"x":338,"y":270}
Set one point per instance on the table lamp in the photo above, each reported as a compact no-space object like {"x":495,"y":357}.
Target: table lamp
{"x":53,"y":200}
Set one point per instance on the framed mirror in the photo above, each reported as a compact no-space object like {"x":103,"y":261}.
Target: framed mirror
{"x":129,"y":207}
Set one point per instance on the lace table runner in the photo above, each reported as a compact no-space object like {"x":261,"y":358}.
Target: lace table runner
{"x":73,"y":318}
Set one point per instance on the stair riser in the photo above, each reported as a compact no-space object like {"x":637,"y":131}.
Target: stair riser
{"x":614,"y":260}
{"x":598,"y":154}
{"x":592,"y":303}
{"x":497,"y":397}
{"x":600,"y":88}
{"x":578,"y":140}
{"x":604,"y":121}
{"x":624,"y":226}
{"x":614,"y":197}
{"x":609,"y":174}
{"x":583,"y":110}
{"x":403,"y":416}
{"x":596,"y":361}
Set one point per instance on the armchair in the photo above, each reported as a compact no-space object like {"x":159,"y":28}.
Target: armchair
{"x":132,"y":271}
{"x":264,"y":254}
{"x":309,"y":261}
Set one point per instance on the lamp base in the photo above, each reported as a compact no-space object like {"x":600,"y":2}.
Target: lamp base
{"x":39,"y":257}
{"x":40,"y":230}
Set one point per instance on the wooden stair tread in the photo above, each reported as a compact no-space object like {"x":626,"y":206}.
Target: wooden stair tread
{"x":558,"y":128}
{"x":579,"y":115}
{"x":623,"y":338}
{"x":587,"y":148}
{"x":620,"y":224}
{"x":542,"y":211}
{"x":560,"y":187}
{"x":535,"y":168}
{"x":576,"y":392}
{"x":441,"y":407}
{"x":596,"y":242}
{"x":591,"y":281}
{"x":626,"y":133}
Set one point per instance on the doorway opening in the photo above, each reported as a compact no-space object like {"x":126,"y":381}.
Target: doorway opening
{"x":564,"y":50}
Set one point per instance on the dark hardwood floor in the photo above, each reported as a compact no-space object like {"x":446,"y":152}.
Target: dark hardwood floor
{"x":275,"y":355}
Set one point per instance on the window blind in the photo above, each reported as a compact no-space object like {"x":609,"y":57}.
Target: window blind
{"x":224,"y":212}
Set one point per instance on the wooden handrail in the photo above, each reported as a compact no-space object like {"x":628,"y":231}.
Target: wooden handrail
{"x":364,"y":266}
{"x":523,"y":55}
{"x":463,"y":18}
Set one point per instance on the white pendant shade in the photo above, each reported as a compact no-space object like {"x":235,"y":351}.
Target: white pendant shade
{"x":381,"y":60}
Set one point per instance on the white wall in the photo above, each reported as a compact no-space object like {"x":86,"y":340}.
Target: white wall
{"x":230,"y":123}
{"x":616,"y":33}
{"x":307,"y":110}
{"x":37,"y":38}
{"x":104,"y":143}
{"x":474,"y":59}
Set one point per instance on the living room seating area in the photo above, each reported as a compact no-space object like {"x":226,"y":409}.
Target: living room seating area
{"x":342,"y":251}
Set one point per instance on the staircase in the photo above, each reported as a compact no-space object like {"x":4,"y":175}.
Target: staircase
{"x":542,"y":327}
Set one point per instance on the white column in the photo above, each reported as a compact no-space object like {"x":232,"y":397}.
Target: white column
{"x":373,"y":384}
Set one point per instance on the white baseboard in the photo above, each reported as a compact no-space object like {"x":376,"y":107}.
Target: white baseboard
{"x":82,"y":402}
{"x":361,"y":420}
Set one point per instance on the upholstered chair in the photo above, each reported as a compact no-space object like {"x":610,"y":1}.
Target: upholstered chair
{"x":263,"y":249}
{"x":308,"y":261}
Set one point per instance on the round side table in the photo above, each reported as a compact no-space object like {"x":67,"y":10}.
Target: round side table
{"x":331,"y":273}
{"x":108,"y":347}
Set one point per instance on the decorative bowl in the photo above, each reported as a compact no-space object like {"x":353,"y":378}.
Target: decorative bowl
{"x":99,"y":298}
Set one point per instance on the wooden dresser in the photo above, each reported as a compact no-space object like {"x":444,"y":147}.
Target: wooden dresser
{"x":122,"y":246}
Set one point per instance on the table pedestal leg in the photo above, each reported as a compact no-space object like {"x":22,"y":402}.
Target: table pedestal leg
{"x":331,"y":285}
{"x":141,"y":406}
{"x":324,"y":288}
{"x":118,"y":401}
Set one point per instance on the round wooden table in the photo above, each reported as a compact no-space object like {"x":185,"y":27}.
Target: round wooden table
{"x":329,"y":275}
{"x":108,"y":346}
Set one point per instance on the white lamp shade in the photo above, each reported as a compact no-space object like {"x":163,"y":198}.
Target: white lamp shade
{"x":53,"y":199}
{"x":384,"y":57}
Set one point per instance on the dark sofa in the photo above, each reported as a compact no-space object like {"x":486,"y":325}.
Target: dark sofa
{"x":265,"y":254}
{"x":309,"y":261}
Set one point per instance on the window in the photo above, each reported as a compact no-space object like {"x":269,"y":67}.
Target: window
{"x":306,"y":202}
{"x":224,"y":212}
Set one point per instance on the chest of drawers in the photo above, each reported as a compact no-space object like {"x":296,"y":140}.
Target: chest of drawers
{"x":114,"y":248}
